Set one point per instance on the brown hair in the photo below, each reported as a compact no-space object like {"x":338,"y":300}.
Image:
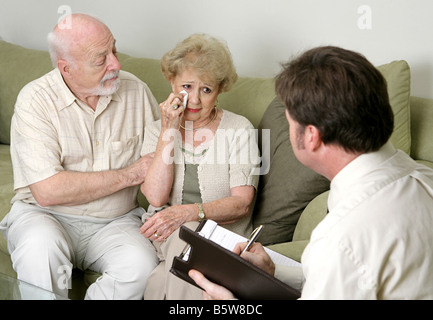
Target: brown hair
{"x":342,"y":94}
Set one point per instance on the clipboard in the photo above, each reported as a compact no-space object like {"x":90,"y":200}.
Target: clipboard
{"x":224,"y":267}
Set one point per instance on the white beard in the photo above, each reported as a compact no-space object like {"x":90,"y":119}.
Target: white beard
{"x":102,"y":90}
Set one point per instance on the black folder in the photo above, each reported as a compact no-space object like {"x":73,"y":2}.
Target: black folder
{"x":221,"y":266}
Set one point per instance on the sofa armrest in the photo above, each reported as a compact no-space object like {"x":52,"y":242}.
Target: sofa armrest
{"x":311,"y":216}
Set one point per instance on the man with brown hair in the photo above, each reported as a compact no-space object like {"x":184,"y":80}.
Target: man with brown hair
{"x":376,"y":241}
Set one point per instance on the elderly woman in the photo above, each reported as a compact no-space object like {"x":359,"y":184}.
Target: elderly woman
{"x":206,"y":159}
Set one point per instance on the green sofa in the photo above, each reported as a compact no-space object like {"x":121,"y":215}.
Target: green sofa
{"x":291,"y":199}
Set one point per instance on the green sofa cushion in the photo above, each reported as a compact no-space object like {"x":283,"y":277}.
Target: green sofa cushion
{"x":6,"y":188}
{"x":149,"y":71}
{"x":422,"y":129}
{"x":310,"y":218}
{"x":289,"y":186}
{"x":315,"y":211}
{"x":23,"y":66}
{"x":249,"y":97}
{"x":397,"y":75}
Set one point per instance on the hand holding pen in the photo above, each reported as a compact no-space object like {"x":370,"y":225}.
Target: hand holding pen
{"x":255,"y":253}
{"x":252,"y":238}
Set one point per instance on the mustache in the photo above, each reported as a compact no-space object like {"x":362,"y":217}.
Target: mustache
{"x":110,"y":75}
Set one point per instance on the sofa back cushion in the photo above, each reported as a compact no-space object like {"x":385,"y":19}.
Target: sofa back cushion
{"x":149,"y":71}
{"x":397,"y":75}
{"x":18,"y":67}
{"x":422,"y":130}
{"x":249,"y":97}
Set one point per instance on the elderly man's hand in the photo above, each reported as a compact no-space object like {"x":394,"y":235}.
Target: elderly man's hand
{"x":136,"y":172}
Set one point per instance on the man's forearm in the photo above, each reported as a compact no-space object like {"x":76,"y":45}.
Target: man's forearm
{"x":70,"y":188}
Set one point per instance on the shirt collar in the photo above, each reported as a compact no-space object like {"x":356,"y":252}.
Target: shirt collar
{"x":64,"y":93}
{"x":346,"y":179}
{"x":115,"y":96}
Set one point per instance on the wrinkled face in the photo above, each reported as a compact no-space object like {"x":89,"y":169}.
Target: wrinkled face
{"x":96,"y":68}
{"x":202,"y":95}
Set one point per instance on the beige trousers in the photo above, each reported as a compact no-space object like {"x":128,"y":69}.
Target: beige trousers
{"x":45,"y":246}
{"x":162,"y":284}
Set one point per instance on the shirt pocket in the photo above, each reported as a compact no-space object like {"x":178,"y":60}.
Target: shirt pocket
{"x":125,"y":152}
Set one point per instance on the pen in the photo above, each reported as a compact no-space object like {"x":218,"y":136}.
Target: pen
{"x":253,"y":237}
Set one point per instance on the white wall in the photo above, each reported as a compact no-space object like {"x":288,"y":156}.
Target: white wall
{"x":260,"y":33}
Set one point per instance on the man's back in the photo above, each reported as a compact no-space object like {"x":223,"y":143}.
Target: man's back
{"x":376,"y":242}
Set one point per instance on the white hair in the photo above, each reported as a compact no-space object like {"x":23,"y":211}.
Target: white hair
{"x":58,"y":48}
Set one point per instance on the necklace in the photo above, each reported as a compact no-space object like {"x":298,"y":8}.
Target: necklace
{"x":192,"y":153}
{"x":210,"y":121}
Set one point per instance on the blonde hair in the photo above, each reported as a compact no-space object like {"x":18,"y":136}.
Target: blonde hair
{"x":207,"y":55}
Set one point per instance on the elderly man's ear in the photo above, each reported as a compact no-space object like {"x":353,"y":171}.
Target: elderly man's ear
{"x":64,"y":68}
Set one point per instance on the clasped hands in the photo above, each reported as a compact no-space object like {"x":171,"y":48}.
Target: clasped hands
{"x":162,"y":224}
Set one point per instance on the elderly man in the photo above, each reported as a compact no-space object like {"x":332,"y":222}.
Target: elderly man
{"x":76,"y":138}
{"x":376,"y":241}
